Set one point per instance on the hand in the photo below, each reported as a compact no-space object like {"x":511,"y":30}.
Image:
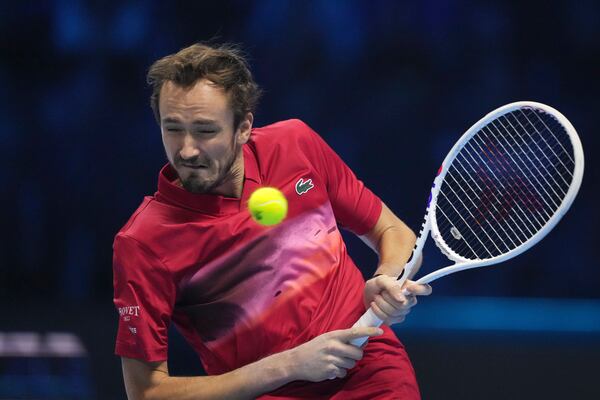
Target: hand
{"x":385,"y":297}
{"x":329,"y":355}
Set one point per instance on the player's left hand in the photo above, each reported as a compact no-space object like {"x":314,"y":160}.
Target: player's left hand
{"x":385,"y":297}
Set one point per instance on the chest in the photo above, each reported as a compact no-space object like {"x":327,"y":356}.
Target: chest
{"x":215,"y":254}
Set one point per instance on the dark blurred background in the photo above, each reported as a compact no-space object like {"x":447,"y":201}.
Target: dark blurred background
{"x":390,"y":85}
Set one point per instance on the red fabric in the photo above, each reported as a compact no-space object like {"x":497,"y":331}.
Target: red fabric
{"x":238,"y":291}
{"x":144,"y":297}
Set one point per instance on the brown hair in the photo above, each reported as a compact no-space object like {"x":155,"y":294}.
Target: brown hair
{"x":224,"y":65}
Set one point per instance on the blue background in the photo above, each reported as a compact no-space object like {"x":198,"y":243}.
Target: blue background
{"x":389,"y":85}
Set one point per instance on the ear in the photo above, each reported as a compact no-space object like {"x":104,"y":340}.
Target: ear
{"x":245,"y":128}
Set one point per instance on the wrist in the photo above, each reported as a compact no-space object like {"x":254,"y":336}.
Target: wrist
{"x":390,"y":269}
{"x":283,"y":367}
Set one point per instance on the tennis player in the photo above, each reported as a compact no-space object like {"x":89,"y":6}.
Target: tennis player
{"x":267,"y":309}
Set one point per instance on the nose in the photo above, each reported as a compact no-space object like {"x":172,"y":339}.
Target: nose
{"x":189,"y":149}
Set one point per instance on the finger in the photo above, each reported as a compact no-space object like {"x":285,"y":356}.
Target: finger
{"x":346,"y":335}
{"x":397,"y":320}
{"x":393,"y":301}
{"x":411,"y":300}
{"x":395,"y":296}
{"x":348,"y":351}
{"x":336,"y":372}
{"x":394,"y":312}
{"x":341,"y":373}
{"x":342,"y":362}
{"x":395,"y":291}
{"x":388,"y":283}
{"x":419,"y":289}
{"x":380,"y":314}
{"x":389,"y":309}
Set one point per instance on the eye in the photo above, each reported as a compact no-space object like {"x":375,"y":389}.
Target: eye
{"x":206,"y":132}
{"x":172,"y":129}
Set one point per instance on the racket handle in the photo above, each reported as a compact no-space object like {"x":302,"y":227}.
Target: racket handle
{"x":368,"y":319}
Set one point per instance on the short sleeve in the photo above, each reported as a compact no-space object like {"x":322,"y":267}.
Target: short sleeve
{"x":355,"y":206}
{"x":144,"y":295}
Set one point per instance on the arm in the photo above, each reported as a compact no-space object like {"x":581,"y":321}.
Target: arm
{"x":327,"y":356}
{"x":355,"y":207}
{"x":393,"y":241}
{"x":144,"y":380}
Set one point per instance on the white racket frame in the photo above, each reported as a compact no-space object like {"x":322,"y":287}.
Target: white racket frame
{"x":430,"y":223}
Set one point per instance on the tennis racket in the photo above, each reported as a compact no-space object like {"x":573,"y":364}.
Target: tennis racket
{"x":502,"y":187}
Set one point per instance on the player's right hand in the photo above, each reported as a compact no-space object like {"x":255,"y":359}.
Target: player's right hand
{"x":329,"y":355}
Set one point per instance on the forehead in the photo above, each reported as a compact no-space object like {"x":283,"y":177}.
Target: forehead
{"x":202,"y":100}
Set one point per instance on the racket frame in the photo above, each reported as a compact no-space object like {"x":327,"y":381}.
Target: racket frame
{"x":430,"y":222}
{"x":462,"y":263}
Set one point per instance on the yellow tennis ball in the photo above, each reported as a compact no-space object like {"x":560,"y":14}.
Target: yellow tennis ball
{"x":268,"y":206}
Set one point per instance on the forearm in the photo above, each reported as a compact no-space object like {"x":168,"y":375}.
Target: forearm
{"x":247,"y":382}
{"x":394,"y":249}
{"x":392,"y":240}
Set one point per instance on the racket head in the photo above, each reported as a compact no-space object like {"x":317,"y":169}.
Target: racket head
{"x":528,"y":214}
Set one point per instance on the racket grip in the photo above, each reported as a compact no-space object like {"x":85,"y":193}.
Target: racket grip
{"x":368,"y":319}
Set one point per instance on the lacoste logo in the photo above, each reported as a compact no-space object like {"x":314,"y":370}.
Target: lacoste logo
{"x":303,"y":186}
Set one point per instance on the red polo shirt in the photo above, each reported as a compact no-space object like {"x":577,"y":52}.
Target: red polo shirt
{"x":238,"y":291}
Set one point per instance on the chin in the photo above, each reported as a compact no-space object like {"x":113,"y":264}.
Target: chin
{"x":194,"y":185}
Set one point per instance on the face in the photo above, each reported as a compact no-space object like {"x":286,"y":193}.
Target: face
{"x":199,"y":139}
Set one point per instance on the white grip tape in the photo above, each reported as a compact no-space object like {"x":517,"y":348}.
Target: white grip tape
{"x":368,"y":319}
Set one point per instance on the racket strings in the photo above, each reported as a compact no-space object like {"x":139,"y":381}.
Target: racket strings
{"x":564,"y":150}
{"x":504,"y":230}
{"x":529,"y":192}
{"x":493,"y":200}
{"x":537,"y":161}
{"x":505,"y":183}
{"x":473,"y":194}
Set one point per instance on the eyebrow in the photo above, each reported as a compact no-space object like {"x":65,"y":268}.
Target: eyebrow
{"x":195,"y":122}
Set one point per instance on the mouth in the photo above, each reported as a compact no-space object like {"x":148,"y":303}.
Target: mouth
{"x":192,"y":166}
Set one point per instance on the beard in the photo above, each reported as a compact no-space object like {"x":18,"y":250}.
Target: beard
{"x":194,"y":184}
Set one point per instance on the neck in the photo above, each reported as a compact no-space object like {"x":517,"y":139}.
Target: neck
{"x":234,"y":182}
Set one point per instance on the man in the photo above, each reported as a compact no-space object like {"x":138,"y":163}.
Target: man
{"x":268,"y":309}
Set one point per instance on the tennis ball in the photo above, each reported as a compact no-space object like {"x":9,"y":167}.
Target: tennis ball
{"x":268,"y":206}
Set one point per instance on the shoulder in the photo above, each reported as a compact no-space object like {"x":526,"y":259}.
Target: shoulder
{"x":283,"y":132}
{"x":144,"y":223}
{"x":286,"y":137}
{"x":135,"y":249}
